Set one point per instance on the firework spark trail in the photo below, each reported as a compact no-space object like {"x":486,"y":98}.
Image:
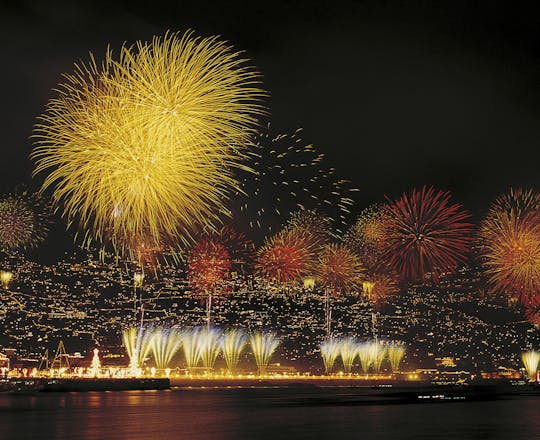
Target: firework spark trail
{"x":395,"y":355}
{"x":330,"y":350}
{"x":530,"y":361}
{"x":426,"y":233}
{"x":263,"y":346}
{"x":164,"y":345}
{"x":233,"y":343}
{"x":291,"y":175}
{"x":146,"y":144}
{"x":377,"y":353}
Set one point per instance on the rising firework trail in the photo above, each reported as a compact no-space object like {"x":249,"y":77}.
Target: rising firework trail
{"x":208,"y":267}
{"x":338,"y":270}
{"x":364,"y":354}
{"x":147,"y":144}
{"x":233,"y":343}
{"x":263,"y":346}
{"x":427,"y":232}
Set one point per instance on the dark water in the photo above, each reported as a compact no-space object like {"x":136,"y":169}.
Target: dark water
{"x":258,"y":414}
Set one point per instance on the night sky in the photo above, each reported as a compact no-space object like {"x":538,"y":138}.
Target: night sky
{"x":398,"y":93}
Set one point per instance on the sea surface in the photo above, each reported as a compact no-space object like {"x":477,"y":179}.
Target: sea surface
{"x":255,"y":413}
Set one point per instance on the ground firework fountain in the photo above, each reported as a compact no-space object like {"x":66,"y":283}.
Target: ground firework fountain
{"x":263,"y":346}
{"x":165,"y":344}
{"x":233,"y":343}
{"x":330,"y":352}
{"x":531,"y":360}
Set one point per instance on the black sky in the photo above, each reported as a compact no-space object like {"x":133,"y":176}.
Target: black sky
{"x":398,"y":93}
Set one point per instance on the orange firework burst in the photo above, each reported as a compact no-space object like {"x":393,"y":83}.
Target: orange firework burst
{"x":209,"y":264}
{"x":287,"y":256}
{"x":427,"y":233}
{"x":367,"y":236}
{"x":339,"y":269}
{"x":379,"y":288}
{"x":511,"y":250}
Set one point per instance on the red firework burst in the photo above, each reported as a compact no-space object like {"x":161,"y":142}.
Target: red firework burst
{"x":287,"y":256}
{"x":209,"y":264}
{"x":426,"y":233}
{"x":241,"y":250}
{"x":339,"y":269}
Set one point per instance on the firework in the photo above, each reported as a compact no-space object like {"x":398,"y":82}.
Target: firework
{"x":165,"y":343}
{"x":263,"y":346}
{"x":147,"y":144}
{"x":338,"y":268}
{"x":510,"y":239}
{"x":233,"y":344}
{"x":138,"y":343}
{"x":518,"y":201}
{"x":239,"y":247}
{"x":365,"y":356}
{"x":209,"y":264}
{"x":395,"y":355}
{"x":530,"y":361}
{"x":290,"y":175}
{"x":314,"y":223}
{"x":426,"y":233}
{"x":532,"y":312}
{"x":287,"y":256}
{"x":208,"y":346}
{"x":377,"y":353}
{"x":24,"y":221}
{"x":348,"y":350}
{"x":5,"y":278}
{"x":190,"y":348}
{"x":367,"y":237}
{"x":330,"y":350}
{"x":379,"y":289}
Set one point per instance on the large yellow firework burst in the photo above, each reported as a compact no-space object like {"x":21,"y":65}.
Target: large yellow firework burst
{"x":145,"y":144}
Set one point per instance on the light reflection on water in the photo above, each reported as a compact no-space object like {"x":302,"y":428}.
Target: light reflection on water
{"x":257,"y":413}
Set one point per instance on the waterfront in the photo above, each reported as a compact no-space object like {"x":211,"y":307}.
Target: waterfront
{"x":246,"y":413}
